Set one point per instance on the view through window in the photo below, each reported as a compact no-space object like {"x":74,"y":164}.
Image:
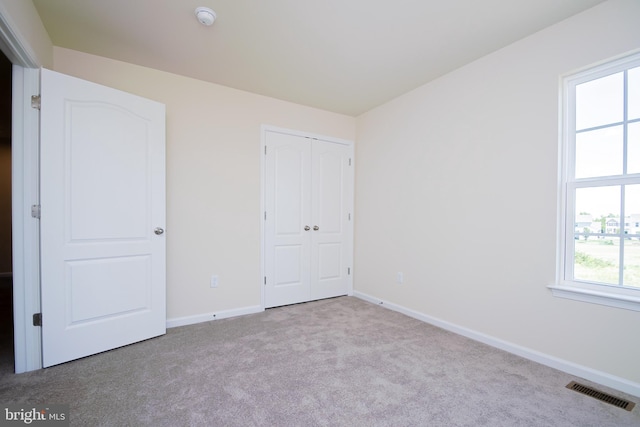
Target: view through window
{"x":602,"y":175}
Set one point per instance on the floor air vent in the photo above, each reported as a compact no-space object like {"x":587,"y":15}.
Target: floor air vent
{"x":607,"y":398}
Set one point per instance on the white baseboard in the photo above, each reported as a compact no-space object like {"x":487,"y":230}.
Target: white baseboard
{"x":598,"y":377}
{"x":206,"y":317}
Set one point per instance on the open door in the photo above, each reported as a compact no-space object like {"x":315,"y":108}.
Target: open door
{"x":102,"y":218}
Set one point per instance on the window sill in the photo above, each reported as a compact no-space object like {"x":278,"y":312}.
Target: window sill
{"x":610,"y":299}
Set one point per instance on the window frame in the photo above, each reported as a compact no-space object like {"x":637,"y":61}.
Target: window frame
{"x":565,"y":286}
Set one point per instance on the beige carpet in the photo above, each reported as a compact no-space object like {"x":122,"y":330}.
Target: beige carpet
{"x":337,"y":362}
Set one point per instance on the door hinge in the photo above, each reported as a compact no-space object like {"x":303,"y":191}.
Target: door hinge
{"x":349,"y":217}
{"x":37,"y":319}
{"x":265,"y":280}
{"x":349,"y":162}
{"x":35,"y":211}
{"x":348,"y":271}
{"x":265,"y":150}
{"x":35,"y":102}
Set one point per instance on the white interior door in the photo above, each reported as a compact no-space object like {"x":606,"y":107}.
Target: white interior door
{"x":308,"y":231}
{"x":332,"y":196}
{"x":102,"y":219}
{"x":288,"y":219}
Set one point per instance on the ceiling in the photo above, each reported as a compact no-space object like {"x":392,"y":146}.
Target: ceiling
{"x":346,"y":56}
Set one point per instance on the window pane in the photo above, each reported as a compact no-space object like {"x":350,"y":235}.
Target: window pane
{"x":599,"y":152}
{"x":632,"y":262}
{"x":600,"y":102}
{"x":633,"y":148}
{"x":634,"y":93}
{"x":632,"y":209}
{"x":632,"y":242}
{"x":596,"y":260}
{"x":601,"y":203}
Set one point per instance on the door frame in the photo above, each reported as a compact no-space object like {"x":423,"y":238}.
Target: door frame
{"x":25,"y":193}
{"x":263,"y":170}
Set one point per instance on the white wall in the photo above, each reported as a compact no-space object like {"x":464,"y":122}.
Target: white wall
{"x":213,"y":176}
{"x":456,"y":187}
{"x":22,"y":16}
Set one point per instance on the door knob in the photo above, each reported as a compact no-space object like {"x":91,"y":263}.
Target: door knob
{"x":316,"y":228}
{"x":307,"y":228}
{"x":158,"y":230}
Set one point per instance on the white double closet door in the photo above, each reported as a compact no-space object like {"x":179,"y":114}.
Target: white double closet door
{"x":308,"y":218}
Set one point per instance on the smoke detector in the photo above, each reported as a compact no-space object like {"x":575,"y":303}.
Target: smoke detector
{"x":205,"y":15}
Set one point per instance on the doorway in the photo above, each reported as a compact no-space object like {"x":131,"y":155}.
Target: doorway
{"x":6,"y":274}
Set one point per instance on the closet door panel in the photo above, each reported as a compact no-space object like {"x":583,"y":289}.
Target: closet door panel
{"x":288,"y":204}
{"x":330,"y":238}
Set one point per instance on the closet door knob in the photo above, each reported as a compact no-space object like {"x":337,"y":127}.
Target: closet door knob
{"x":316,"y":228}
{"x":307,"y":228}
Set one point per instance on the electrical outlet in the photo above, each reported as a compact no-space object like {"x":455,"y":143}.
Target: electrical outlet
{"x":214,"y":281}
{"x":400,"y":278}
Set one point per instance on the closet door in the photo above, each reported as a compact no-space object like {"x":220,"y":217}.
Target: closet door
{"x":308,"y":232}
{"x":287,"y":219}
{"x":332,"y":195}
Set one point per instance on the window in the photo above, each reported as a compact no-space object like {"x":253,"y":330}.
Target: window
{"x":599,"y":250}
